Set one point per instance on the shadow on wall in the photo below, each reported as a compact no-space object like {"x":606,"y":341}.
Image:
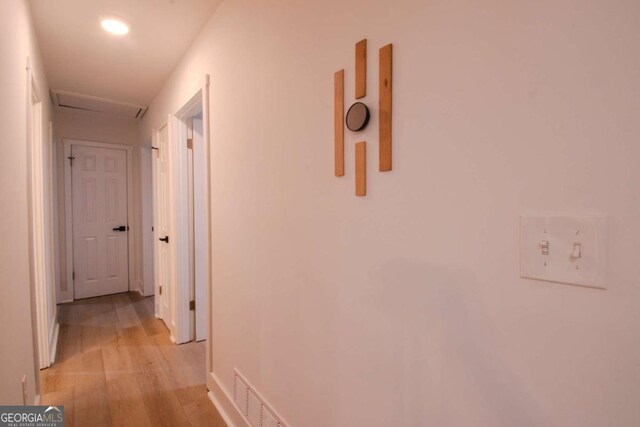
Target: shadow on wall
{"x":436,"y":339}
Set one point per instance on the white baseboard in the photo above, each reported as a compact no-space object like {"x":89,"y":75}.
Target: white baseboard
{"x":53,"y":344}
{"x":65,"y":301}
{"x":36,"y":400}
{"x":224,"y":403}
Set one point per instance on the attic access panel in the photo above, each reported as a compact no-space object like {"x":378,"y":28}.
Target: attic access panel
{"x":75,"y":101}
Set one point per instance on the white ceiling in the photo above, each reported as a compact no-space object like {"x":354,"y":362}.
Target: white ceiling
{"x":79,"y":56}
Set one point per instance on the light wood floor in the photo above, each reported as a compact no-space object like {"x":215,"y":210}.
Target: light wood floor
{"x":116,"y":367}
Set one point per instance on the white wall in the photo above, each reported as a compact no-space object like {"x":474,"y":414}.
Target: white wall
{"x":96,"y":127}
{"x":404,"y":308}
{"x":18,"y":356}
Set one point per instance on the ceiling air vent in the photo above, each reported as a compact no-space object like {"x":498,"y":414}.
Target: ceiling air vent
{"x":79,"y":102}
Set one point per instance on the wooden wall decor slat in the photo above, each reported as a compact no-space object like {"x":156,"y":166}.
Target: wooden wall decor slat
{"x":361,"y":69}
{"x":338,"y":94}
{"x":361,"y":169}
{"x":386,"y":92}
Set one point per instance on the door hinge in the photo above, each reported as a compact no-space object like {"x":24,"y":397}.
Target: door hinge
{"x":160,"y":290}
{"x":190,"y":143}
{"x":70,"y":160}
{"x":192,"y":305}
{"x":73,"y":276}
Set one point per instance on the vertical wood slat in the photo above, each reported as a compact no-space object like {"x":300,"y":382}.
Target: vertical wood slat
{"x":385,"y":93}
{"x":361,"y":69}
{"x":361,"y":169}
{"x":338,"y":106}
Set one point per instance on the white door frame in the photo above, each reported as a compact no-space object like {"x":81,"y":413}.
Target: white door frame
{"x":154,"y":218}
{"x":68,"y":208}
{"x":40,"y":199}
{"x":180,"y":198}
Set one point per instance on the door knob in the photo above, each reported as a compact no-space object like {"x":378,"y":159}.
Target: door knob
{"x":164,"y":239}
{"x":121,"y":228}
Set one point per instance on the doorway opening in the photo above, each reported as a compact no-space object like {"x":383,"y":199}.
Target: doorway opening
{"x":193,"y":259}
{"x":181,"y":224}
{"x":99,"y":215}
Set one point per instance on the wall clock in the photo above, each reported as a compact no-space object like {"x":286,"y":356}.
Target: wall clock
{"x":357,"y":117}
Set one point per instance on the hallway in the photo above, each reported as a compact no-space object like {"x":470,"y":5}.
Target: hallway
{"x":377,"y":213}
{"x":117,"y":366}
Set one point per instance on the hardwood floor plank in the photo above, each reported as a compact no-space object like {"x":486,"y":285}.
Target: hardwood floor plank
{"x":195,"y":354}
{"x":127,"y":315}
{"x":126,"y":402}
{"x":202,"y":413}
{"x":91,"y":406}
{"x":160,"y":400}
{"x":62,"y":398}
{"x":116,"y":366}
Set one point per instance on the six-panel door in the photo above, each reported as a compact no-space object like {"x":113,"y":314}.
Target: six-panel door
{"x":162,"y":224}
{"x":100,"y":229}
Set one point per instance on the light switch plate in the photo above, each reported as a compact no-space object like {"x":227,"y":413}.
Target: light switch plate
{"x":558,"y":236}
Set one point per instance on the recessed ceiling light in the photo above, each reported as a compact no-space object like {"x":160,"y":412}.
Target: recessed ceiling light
{"x":115,"y":26}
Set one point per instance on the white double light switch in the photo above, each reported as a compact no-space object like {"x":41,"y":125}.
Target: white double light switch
{"x":564,"y":249}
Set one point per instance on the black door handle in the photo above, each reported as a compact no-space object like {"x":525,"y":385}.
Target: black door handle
{"x":164,"y":239}
{"x":121,"y":228}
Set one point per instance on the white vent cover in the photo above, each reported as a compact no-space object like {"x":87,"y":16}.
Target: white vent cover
{"x":252,"y":406}
{"x":241,"y":394}
{"x":269,"y":420}
{"x":254,"y":410}
{"x":79,"y":102}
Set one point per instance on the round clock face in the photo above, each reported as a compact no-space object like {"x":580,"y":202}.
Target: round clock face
{"x":357,"y":117}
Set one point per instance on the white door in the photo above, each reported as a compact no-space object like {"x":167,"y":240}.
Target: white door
{"x":162,"y":226}
{"x":99,"y":193}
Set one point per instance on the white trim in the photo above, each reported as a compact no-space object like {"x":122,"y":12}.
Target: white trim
{"x":55,"y":215}
{"x":223,"y":402}
{"x":171,"y":322}
{"x":180,"y":202}
{"x":206,"y":123}
{"x":40,"y":242}
{"x":67,"y":296}
{"x":154,"y":220}
{"x":68,"y":211}
{"x":131,"y":228}
{"x":98,"y":144}
{"x":144,"y":165}
{"x":52,"y":236}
